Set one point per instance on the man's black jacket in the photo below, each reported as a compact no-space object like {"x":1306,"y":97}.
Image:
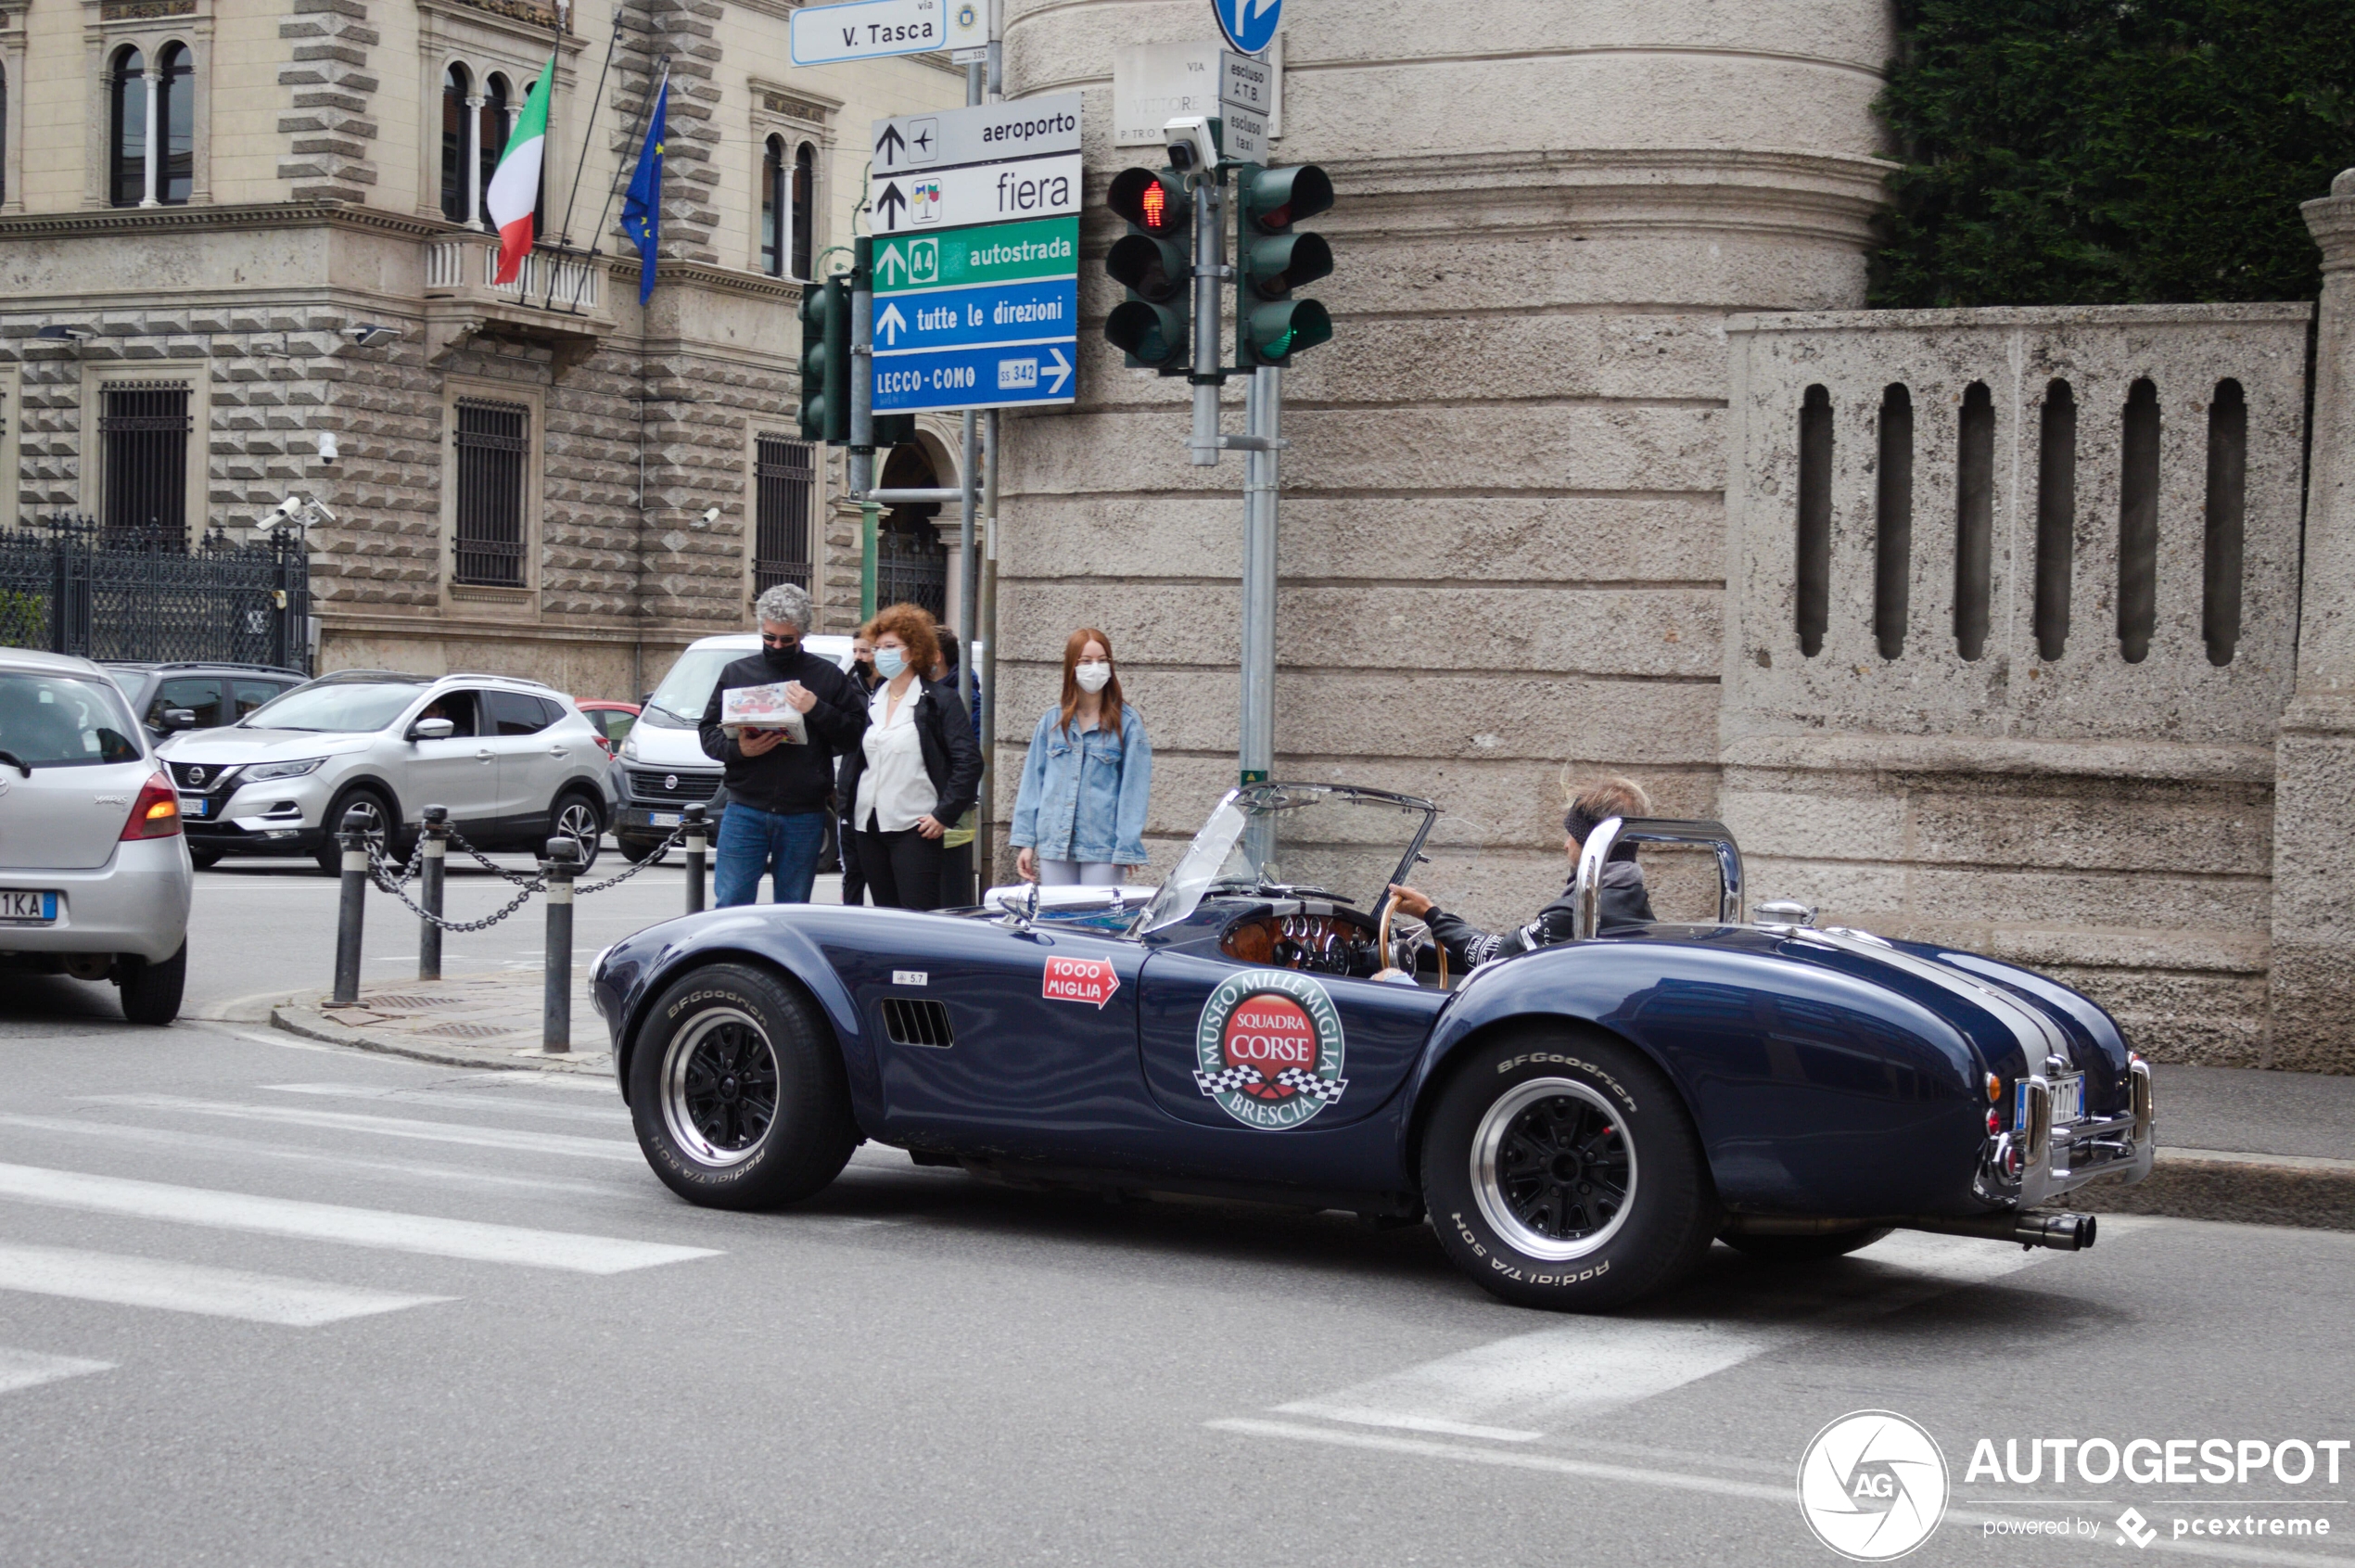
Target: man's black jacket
{"x":788,"y":778}
{"x":952,"y":761}
{"x":1624,"y":903}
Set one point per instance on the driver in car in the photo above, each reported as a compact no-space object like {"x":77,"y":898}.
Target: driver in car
{"x":1623,"y":901}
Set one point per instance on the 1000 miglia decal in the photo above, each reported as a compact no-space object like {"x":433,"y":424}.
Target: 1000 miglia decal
{"x":1270,"y":1048}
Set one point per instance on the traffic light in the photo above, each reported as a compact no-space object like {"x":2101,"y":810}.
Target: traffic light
{"x":825,"y":361}
{"x":1272,"y":259}
{"x":1156,"y":263}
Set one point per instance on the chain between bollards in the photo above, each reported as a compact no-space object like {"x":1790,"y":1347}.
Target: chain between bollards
{"x":353,"y":907}
{"x":697,"y":834}
{"x":555,"y":1028}
{"x":436,"y":843}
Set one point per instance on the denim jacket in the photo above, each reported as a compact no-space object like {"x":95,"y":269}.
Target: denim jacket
{"x":1083,"y":793}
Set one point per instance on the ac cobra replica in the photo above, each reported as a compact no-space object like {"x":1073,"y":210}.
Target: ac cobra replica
{"x":1579,"y":1123}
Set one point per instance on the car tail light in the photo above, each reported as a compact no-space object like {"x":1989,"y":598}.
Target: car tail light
{"x":156,"y":814}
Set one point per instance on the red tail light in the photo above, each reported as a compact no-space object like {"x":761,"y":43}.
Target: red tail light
{"x":156,"y":814}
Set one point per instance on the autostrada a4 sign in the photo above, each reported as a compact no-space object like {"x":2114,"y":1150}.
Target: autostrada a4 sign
{"x":976,"y":262}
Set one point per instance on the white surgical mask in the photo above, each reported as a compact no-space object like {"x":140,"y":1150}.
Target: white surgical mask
{"x":889,"y":662}
{"x":1093,"y":676}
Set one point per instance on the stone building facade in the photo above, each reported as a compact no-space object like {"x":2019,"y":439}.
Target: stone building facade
{"x":312,"y":171}
{"x":1597,"y":283}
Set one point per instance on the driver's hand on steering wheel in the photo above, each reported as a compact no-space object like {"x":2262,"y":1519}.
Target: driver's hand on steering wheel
{"x":1410,"y":904}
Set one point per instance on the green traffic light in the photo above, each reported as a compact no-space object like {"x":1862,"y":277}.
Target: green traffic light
{"x":1278,"y":331}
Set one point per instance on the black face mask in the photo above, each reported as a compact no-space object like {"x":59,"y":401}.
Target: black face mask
{"x":787,"y":657}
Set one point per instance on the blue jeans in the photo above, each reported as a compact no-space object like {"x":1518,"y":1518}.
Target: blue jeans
{"x":752,"y":843}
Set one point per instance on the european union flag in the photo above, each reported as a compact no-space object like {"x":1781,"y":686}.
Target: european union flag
{"x":641,"y":208}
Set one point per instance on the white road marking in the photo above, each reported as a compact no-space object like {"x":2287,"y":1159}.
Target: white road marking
{"x":23,"y":1369}
{"x":615,"y":1114}
{"x":513,"y":1139}
{"x":467,"y":1239}
{"x":191,"y":1287}
{"x":211,"y":1143}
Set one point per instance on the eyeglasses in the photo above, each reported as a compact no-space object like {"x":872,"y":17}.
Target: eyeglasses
{"x":787,"y":644}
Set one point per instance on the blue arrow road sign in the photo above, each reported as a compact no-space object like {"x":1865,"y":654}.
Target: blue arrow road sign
{"x":1010,"y":313}
{"x":992,"y":377}
{"x":1250,"y":25}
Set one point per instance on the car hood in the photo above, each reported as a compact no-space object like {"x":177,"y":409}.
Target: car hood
{"x":231,"y":744}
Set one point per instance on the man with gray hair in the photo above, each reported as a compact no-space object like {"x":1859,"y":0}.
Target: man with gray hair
{"x":778,"y":788}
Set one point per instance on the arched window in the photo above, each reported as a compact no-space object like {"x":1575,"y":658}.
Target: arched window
{"x":773,"y":207}
{"x":492,"y":138}
{"x":127,"y":129}
{"x":175,"y":126}
{"x":453,"y":143}
{"x":804,"y":188}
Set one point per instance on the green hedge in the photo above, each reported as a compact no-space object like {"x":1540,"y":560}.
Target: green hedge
{"x":2113,"y":151}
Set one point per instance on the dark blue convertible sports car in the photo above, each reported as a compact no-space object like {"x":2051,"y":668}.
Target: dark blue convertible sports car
{"x":1579,"y":1123}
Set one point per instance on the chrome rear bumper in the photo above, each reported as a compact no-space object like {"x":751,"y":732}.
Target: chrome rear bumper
{"x":2037,"y":1162}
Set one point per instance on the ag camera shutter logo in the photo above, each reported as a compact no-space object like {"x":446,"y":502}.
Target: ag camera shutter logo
{"x":1872,"y":1485}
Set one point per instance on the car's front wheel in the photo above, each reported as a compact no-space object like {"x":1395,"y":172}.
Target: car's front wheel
{"x":151,"y":991}
{"x":576,"y":817}
{"x":1561,"y":1171}
{"x":376,"y":816}
{"x":737,"y":1091}
{"x":637,"y":851}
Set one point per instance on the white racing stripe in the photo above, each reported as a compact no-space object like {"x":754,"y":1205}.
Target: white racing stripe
{"x":612,"y":1114}
{"x":190,"y":1287}
{"x":23,"y":1369}
{"x":467,"y":1239}
{"x":512,"y":1138}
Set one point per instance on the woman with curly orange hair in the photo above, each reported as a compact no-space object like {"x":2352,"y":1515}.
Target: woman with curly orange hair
{"x":917,"y":769}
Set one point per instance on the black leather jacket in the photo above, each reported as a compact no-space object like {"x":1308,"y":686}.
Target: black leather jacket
{"x":788,"y":778}
{"x":1623,"y":901}
{"x":952,"y":760}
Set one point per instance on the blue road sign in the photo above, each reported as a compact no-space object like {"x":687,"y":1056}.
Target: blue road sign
{"x":1250,"y":25}
{"x":1009,"y":313}
{"x":991,"y":375}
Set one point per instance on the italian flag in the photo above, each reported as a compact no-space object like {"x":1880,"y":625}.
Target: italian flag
{"x":514,"y":184}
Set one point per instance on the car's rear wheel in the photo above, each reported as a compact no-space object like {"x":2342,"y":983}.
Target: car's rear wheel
{"x":379,"y":815}
{"x":1805,"y":1249}
{"x":578,"y":817}
{"x":737,"y":1091}
{"x":151,"y":991}
{"x":1561,"y":1171}
{"x":205,"y":859}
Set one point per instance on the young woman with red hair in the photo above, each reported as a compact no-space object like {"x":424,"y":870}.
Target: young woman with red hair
{"x":1079,"y":816}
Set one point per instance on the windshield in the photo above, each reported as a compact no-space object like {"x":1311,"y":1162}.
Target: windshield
{"x":335,"y":706}
{"x":678,"y":703}
{"x":1315,"y":840}
{"x":64,"y":721}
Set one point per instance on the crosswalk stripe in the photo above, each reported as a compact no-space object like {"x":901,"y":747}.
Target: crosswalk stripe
{"x":615,"y":1114}
{"x":190,"y":1287}
{"x":23,"y":1369}
{"x":469,"y":1239}
{"x":515,"y":1139}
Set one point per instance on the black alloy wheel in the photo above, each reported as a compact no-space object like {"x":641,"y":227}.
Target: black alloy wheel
{"x":1563,"y":1171}
{"x":719,"y":1086}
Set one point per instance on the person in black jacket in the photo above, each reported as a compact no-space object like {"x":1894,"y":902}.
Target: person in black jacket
{"x":775,"y":822}
{"x":1623,"y":901}
{"x":917,"y":769}
{"x":864,"y":681}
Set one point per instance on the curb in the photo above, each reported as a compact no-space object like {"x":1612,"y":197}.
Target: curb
{"x":2242,"y":1189}
{"x":296,"y":1019}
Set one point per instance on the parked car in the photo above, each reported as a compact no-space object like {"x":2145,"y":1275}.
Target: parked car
{"x":512,"y":759}
{"x":211,"y":694}
{"x":1579,"y":1122}
{"x":660,"y":767}
{"x":95,"y":878}
{"x":612,"y":719}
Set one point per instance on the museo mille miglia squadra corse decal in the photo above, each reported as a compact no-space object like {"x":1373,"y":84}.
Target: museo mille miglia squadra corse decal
{"x":1269,"y":1049}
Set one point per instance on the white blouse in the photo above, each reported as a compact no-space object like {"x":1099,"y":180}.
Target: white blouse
{"x":894,"y":790}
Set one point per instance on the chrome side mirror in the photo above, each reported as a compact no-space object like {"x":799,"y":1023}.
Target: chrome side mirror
{"x":432,"y":730}
{"x":1022,"y":914}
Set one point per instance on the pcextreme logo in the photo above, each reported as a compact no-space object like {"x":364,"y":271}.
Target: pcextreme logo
{"x":1872,"y":1485}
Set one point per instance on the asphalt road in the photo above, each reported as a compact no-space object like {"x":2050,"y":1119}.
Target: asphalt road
{"x":265,"y":1302}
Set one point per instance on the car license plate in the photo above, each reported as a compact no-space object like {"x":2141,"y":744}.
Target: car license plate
{"x":2069,"y":1101}
{"x":194,"y":805}
{"x":663,"y":819}
{"x":28,"y":907}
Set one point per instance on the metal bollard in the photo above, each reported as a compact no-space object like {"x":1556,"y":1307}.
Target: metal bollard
{"x":694,"y":847}
{"x":556,"y":1022}
{"x":429,"y":875}
{"x":353,"y":908}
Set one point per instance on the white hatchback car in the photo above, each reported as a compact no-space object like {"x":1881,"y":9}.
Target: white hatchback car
{"x":94,"y":876}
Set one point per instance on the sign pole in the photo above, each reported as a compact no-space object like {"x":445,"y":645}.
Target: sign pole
{"x":1209,"y":243}
{"x":862,"y":414}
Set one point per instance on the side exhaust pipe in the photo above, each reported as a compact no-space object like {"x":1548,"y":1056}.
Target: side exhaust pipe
{"x":2063,"y":1231}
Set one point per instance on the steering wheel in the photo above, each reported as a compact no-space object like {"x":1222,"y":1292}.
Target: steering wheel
{"x":1388,"y":972}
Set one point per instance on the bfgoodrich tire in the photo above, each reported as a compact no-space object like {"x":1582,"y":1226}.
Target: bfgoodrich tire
{"x":1561,"y":1171}
{"x":736,"y":1090}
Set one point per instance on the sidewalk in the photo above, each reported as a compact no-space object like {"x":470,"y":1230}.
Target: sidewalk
{"x":2235,"y":1143}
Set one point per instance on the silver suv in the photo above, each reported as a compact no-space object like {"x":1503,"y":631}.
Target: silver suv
{"x":94,"y":880}
{"x":515,"y":761}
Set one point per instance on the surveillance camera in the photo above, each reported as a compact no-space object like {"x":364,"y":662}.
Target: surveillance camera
{"x":711,"y":516}
{"x":290,"y":506}
{"x":319,"y":507}
{"x":367,"y":335}
{"x":327,"y":452}
{"x":1191,"y":147}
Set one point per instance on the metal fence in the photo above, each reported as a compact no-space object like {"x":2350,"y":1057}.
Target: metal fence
{"x":71,"y":585}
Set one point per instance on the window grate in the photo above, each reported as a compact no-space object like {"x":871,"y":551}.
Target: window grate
{"x":785,"y":493}
{"x":915,"y":1021}
{"x":143,"y":431}
{"x":493,"y":448}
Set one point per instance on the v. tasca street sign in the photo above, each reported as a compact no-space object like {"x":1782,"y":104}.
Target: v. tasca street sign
{"x":866,"y":30}
{"x":1250,"y":25}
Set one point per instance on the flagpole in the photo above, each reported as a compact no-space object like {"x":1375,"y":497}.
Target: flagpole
{"x":646,"y":112}
{"x":563,"y":240}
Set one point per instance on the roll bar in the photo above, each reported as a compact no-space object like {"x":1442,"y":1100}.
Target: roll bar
{"x":1615,"y":831}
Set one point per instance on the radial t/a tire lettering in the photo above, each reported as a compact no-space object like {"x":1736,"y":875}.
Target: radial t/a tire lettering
{"x":1561,"y":1170}
{"x":737,"y":1092}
